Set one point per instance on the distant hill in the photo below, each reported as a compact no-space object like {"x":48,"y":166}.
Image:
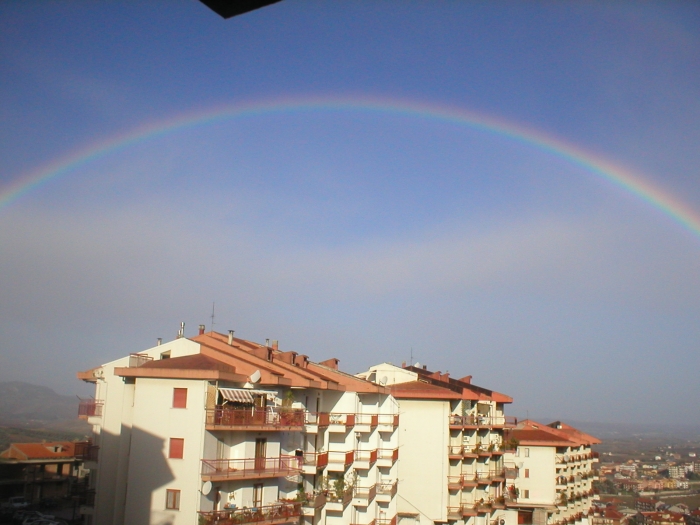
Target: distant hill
{"x":32,"y":413}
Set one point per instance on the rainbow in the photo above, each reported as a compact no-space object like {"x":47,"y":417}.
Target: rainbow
{"x":624,"y":179}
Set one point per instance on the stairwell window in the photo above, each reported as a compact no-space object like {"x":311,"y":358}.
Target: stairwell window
{"x":179,"y":398}
{"x":177,"y":448}
{"x":527,"y":472}
{"x":526,"y":494}
{"x":172,"y":499}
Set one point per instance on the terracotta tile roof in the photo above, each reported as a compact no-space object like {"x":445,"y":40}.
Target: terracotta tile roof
{"x":422,"y":390}
{"x":192,"y":362}
{"x":27,"y":451}
{"x":530,"y":432}
{"x":463,"y":386}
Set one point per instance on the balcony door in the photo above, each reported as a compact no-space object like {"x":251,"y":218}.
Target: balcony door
{"x":259,"y":406}
{"x":260,"y":449}
{"x":257,"y":495}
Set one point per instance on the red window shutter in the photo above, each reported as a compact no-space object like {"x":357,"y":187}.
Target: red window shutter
{"x":177,"y":447}
{"x":179,"y":398}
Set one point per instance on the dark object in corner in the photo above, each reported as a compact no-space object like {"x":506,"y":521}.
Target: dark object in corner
{"x":231,"y":8}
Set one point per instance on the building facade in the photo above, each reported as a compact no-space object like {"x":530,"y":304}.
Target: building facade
{"x":452,"y":446}
{"x":214,"y":430}
{"x":555,"y":473}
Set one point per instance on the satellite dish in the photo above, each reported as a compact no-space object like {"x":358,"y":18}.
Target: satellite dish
{"x":255,"y":376}
{"x":383,"y":380}
{"x":417,"y":365}
{"x":206,"y":488}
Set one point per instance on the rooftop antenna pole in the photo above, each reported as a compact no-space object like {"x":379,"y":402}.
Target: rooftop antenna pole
{"x":212,"y":315}
{"x":411,"y":356}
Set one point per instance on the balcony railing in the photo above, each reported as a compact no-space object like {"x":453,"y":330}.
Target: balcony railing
{"x":346,"y":420}
{"x":477,"y":420}
{"x":90,"y":408}
{"x":320,"y":419}
{"x":342,"y":499}
{"x":86,"y":451}
{"x":136,"y":360}
{"x":250,"y":468}
{"x":370,"y":420}
{"x":385,"y":521}
{"x":387,"y":488}
{"x":260,"y":419}
{"x":268,"y":515}
{"x":314,"y":501}
{"x":317,"y":459}
{"x":368,"y":456}
{"x":388,"y":420}
{"x":367,"y":493}
{"x":344,"y":458}
{"x":391,"y":454}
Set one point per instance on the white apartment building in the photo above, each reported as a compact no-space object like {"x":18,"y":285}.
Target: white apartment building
{"x":554,"y":482}
{"x":451,"y":436}
{"x":216,"y":430}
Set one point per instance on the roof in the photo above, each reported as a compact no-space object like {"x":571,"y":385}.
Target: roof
{"x":30,"y":451}
{"x":422,"y":390}
{"x":462,"y":388}
{"x":555,"y":434}
{"x":236,"y":360}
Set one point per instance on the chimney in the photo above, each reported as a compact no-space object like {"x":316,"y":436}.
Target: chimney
{"x":275,"y":344}
{"x":160,"y":341}
{"x":230,"y":337}
{"x":201,"y":329}
{"x":181,"y":332}
{"x":425,"y":367}
{"x":331,"y":363}
{"x":403,"y":364}
{"x":267,"y":342}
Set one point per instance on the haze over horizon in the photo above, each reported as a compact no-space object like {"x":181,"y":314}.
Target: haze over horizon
{"x":372,"y":227}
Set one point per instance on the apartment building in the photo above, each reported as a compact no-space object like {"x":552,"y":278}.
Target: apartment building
{"x":554,"y":482}
{"x":215,"y":430}
{"x":452,"y":447}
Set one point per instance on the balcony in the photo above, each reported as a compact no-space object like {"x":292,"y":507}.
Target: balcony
{"x":86,"y":451}
{"x":251,"y":468}
{"x":136,"y":360}
{"x":90,"y":408}
{"x":341,"y":422}
{"x":473,"y":421}
{"x":340,"y":461}
{"x":366,"y":422}
{"x":363,"y":495}
{"x":268,"y":515}
{"x":337,"y":502}
{"x":315,"y":421}
{"x":462,"y":481}
{"x":314,"y":461}
{"x":385,"y":521}
{"x":386,"y":490}
{"x":386,"y":457}
{"x":312,"y":503}
{"x":364,"y":459}
{"x":254,"y":419}
{"x":387,"y":422}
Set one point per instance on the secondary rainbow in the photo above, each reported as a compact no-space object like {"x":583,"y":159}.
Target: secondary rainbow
{"x":614,"y":174}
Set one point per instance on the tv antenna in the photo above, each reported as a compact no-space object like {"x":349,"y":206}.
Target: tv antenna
{"x":212,"y":315}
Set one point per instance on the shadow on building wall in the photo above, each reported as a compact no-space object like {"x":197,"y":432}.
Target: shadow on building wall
{"x":130,"y":492}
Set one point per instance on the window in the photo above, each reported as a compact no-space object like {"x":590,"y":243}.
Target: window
{"x":526,"y":452}
{"x":172,"y":499}
{"x":526,"y":494}
{"x":527,"y":472}
{"x":179,"y":398}
{"x":177,"y":447}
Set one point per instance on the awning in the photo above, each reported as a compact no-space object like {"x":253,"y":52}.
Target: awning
{"x":244,"y":395}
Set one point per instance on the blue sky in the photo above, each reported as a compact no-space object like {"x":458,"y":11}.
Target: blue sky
{"x":354,"y":233}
